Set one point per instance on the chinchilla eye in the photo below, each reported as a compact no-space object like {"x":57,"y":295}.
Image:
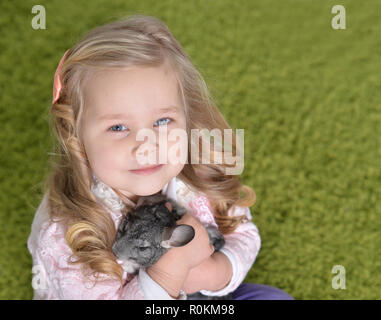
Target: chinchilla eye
{"x":143,"y":248}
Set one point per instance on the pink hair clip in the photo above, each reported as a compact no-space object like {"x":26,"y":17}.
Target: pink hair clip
{"x":57,"y":86}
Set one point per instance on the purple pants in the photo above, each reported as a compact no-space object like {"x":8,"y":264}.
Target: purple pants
{"x":253,"y":291}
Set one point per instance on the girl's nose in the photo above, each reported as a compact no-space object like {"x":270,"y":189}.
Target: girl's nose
{"x":146,"y":154}
{"x":145,"y":148}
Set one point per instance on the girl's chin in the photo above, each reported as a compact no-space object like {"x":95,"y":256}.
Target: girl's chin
{"x":143,"y":190}
{"x":148,"y":191}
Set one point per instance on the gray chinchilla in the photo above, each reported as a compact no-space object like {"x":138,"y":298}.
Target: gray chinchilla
{"x":150,"y":229}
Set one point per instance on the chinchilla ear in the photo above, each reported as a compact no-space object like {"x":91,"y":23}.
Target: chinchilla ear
{"x":177,"y":236}
{"x":168,"y":204}
{"x":150,"y":200}
{"x":180,"y":210}
{"x":122,"y":226}
{"x":177,"y":210}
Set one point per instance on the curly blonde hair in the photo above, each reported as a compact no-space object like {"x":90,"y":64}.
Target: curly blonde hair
{"x":136,"y":40}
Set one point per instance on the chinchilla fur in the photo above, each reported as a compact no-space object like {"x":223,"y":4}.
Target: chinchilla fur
{"x":150,"y":229}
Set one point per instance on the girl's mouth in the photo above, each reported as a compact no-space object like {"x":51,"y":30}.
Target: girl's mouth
{"x":147,"y":170}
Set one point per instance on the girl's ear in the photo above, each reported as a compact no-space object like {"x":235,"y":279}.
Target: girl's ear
{"x":177,"y":236}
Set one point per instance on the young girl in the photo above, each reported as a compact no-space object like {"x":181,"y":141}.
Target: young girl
{"x":121,"y":78}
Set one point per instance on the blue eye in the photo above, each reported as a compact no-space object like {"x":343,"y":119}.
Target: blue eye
{"x":117,"y":126}
{"x":162,"y":121}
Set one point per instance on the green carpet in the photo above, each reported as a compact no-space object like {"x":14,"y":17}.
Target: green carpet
{"x":308,"y":97}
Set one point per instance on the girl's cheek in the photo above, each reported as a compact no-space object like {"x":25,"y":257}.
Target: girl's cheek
{"x":102,"y":160}
{"x":106,"y":156}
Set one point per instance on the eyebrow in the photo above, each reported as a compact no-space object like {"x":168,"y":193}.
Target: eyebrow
{"x":117,"y":116}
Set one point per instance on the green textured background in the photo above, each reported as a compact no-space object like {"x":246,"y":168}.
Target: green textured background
{"x":307,"y":96}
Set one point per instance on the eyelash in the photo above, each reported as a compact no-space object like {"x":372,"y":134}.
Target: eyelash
{"x":116,"y":125}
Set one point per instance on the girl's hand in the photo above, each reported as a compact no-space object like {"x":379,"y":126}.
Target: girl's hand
{"x":171,"y":270}
{"x":196,"y":251}
{"x":193,"y":253}
{"x":200,"y":277}
{"x":212,"y":274}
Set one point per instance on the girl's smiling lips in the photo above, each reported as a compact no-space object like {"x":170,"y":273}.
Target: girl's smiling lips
{"x":147,"y":170}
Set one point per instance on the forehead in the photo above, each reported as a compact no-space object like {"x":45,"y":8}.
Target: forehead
{"x":131,"y":90}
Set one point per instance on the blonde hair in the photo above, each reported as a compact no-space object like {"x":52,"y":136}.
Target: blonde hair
{"x":138,"y":40}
